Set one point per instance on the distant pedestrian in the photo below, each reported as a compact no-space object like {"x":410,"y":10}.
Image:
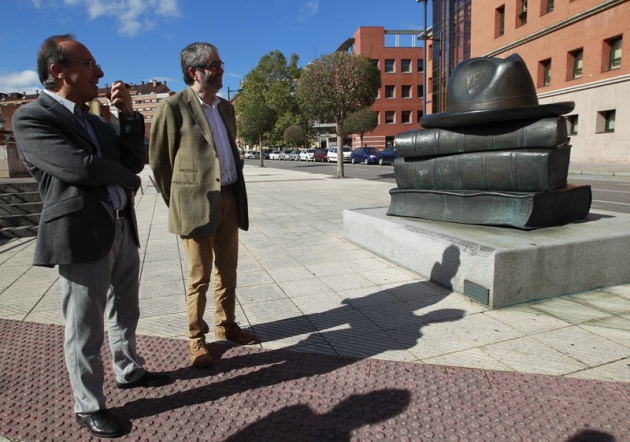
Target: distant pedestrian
{"x":197,"y":167}
{"x":87,"y":179}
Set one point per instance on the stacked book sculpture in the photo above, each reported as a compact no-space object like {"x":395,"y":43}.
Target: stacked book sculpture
{"x":495,"y":157}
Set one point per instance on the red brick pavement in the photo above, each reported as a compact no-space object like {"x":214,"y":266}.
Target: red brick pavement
{"x":255,"y":395}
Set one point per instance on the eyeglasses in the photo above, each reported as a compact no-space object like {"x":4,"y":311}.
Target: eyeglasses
{"x":212,"y":66}
{"x":91,"y":63}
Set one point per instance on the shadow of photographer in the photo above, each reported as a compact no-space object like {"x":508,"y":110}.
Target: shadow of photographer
{"x":390,"y":320}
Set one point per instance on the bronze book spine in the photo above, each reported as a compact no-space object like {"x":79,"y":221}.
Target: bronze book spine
{"x":546,"y":133}
{"x":536,"y":170}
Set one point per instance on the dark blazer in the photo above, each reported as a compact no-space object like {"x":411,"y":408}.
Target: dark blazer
{"x":185,"y":164}
{"x":76,"y":223}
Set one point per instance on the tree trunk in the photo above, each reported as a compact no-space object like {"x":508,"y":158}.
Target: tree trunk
{"x":262,"y":156}
{"x":339,"y":150}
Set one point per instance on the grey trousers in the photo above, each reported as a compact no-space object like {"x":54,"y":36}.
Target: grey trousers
{"x":92,"y":293}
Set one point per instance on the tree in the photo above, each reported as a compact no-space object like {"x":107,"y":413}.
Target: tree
{"x":335,"y":85}
{"x":273,"y":81}
{"x":294,"y":135}
{"x":362,"y":121}
{"x":256,"y":118}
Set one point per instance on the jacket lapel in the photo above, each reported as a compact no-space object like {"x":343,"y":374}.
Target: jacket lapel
{"x":64,"y":114}
{"x":196,"y":111}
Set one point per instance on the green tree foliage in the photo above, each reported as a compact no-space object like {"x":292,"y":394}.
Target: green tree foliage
{"x":273,"y":81}
{"x":256,"y":118}
{"x":282,"y":123}
{"x":362,"y":121}
{"x":334,"y":86}
{"x":294,"y":136}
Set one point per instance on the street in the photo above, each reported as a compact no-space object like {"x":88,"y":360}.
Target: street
{"x":611,"y":194}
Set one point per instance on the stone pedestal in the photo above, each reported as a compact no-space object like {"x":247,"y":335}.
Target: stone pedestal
{"x":499,"y":266}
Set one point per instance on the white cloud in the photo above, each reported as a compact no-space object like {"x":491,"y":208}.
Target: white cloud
{"x":133,"y":16}
{"x":308,"y":9}
{"x":25,"y":81}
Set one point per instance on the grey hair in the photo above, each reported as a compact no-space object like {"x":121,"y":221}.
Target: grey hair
{"x":195,"y":55}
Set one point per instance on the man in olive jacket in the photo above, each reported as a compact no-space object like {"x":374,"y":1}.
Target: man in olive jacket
{"x":197,"y":168}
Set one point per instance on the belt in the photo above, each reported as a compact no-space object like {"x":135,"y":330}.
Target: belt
{"x":227,"y":188}
{"x":121,"y":213}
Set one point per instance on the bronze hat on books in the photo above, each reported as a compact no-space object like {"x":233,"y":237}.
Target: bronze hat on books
{"x":488,"y":89}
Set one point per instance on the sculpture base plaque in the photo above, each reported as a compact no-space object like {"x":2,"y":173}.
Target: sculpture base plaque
{"x":521,"y":210}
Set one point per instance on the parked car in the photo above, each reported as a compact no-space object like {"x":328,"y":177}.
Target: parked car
{"x":365,"y":155}
{"x":294,"y":155}
{"x":307,"y":155}
{"x":266,"y":153}
{"x":332,"y":154}
{"x":284,"y":155}
{"x":388,"y":156}
{"x":252,"y":155}
{"x":274,"y":155}
{"x":320,"y":155}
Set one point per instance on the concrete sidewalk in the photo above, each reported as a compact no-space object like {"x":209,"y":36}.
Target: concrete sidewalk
{"x":308,"y":292}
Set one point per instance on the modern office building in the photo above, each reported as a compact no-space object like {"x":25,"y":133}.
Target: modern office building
{"x":572,"y":48}
{"x":401,"y":61}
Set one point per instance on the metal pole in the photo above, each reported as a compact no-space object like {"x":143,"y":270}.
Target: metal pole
{"x":424,"y":64}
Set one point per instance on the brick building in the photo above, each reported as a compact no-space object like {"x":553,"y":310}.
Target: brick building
{"x":145,"y":97}
{"x":572,"y":48}
{"x":399,"y":101}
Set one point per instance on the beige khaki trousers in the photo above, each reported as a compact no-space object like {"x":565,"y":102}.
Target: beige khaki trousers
{"x":216,"y":255}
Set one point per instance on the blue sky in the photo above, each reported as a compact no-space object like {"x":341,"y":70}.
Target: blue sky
{"x":136,"y":40}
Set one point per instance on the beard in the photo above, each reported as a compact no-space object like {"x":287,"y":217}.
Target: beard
{"x":211,"y":82}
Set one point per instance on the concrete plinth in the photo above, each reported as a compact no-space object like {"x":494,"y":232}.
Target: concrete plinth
{"x":500,"y":266}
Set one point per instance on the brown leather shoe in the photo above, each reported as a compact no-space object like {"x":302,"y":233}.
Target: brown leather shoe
{"x":235,"y":334}
{"x":199,"y":354}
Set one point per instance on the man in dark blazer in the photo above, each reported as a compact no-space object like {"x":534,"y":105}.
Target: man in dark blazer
{"x":87,"y":179}
{"x":197,"y":168}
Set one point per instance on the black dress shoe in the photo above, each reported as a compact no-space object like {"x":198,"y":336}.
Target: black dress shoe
{"x":148,"y":379}
{"x":101,"y":424}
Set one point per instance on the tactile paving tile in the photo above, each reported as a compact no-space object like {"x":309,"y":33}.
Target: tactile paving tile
{"x":254,"y":395}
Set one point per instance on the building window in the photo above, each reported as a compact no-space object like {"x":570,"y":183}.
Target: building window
{"x":405,"y":92}
{"x":420,"y":115}
{"x":606,"y":121}
{"x":572,"y":121}
{"x":406,"y":117}
{"x":406,"y":65}
{"x":420,"y":65}
{"x":499,"y":21}
{"x":389,"y":91}
{"x":544,"y":73}
{"x":389,"y":66}
{"x":612,"y":53}
{"x":521,"y":12}
{"x":546,"y":6}
{"x":389,"y":117}
{"x":420,"y":91}
{"x":575,"y":63}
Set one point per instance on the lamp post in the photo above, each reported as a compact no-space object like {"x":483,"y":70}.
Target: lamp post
{"x":232,"y":90}
{"x":424,"y":59}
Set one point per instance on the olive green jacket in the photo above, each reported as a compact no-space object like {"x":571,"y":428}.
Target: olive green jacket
{"x":185,"y":165}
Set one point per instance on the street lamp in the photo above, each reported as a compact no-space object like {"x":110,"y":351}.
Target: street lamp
{"x":232,"y":90}
{"x":424,"y":59}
